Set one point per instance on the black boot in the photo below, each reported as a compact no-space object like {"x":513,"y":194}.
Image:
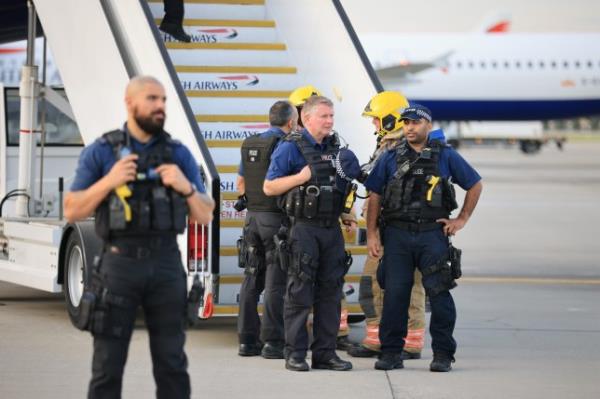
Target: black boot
{"x":273,"y":350}
{"x":176,"y":31}
{"x":410,"y":355}
{"x":295,"y":364}
{"x":389,"y":361}
{"x":249,"y":349}
{"x":362,"y":351}
{"x":442,"y":362}
{"x":335,"y":364}
{"x":344,"y":343}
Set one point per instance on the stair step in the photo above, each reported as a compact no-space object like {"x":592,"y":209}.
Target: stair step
{"x":228,"y":34}
{"x":222,"y":104}
{"x":231,"y":54}
{"x":223,"y":9}
{"x":224,"y":143}
{"x":240,"y":23}
{"x":226,"y":46}
{"x":241,"y":118}
{"x":238,"y":2}
{"x":235,"y":69}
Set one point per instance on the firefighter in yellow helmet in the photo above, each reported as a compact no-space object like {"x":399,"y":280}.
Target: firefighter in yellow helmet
{"x":298,"y":97}
{"x":385,"y":109}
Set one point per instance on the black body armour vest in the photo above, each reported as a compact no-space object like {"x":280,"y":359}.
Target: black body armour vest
{"x":318,"y":199}
{"x":155,"y":209}
{"x":256,"y":157}
{"x":417,"y":192}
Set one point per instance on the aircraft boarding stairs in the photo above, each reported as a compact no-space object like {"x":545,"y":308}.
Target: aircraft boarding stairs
{"x":234,"y":69}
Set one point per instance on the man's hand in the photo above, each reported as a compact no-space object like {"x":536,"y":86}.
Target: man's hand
{"x":173,"y":177}
{"x":350,"y":225}
{"x":451,"y":226}
{"x":373,"y":244}
{"x":122,"y":172}
{"x":305,"y":174}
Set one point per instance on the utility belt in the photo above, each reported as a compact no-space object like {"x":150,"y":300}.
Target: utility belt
{"x":313,"y":203}
{"x":140,"y":248}
{"x":413,"y":226}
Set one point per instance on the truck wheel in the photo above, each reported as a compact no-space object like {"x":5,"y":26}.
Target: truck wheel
{"x":76,"y":275}
{"x":530,"y":146}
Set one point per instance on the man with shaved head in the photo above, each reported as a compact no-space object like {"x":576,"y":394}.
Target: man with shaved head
{"x":141,"y":185}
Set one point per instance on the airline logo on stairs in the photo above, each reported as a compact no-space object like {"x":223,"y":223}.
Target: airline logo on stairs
{"x":224,"y":82}
{"x":206,"y":35}
{"x":231,"y":131}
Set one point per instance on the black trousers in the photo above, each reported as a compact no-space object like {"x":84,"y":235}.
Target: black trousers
{"x":173,"y":12}
{"x":259,"y":229}
{"x":315,"y":280}
{"x":157,"y":282}
{"x":405,"y":251}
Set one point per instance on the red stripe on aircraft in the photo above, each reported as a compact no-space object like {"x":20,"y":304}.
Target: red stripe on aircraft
{"x":11,"y":50}
{"x":500,"y":27}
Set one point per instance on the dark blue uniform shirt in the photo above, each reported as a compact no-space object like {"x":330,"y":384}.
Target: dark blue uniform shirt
{"x":98,"y":158}
{"x":451,"y":164}
{"x":288,"y":160}
{"x":273,"y":131}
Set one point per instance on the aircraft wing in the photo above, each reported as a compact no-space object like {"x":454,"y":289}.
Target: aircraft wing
{"x":406,"y":67}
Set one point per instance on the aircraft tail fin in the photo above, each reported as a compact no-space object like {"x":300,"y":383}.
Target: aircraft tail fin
{"x":496,"y":22}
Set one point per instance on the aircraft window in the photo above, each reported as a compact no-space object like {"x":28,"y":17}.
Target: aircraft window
{"x":459,"y":64}
{"x":541,"y":64}
{"x":566,"y":64}
{"x":506,"y":64}
{"x":577,"y":64}
{"x":518,"y":64}
{"x":589,"y":64}
{"x":482,"y":64}
{"x":529,"y":64}
{"x":553,"y":64}
{"x":471,"y":64}
{"x":494,"y":64}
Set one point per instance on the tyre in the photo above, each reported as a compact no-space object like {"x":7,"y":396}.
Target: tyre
{"x":530,"y":146}
{"x":355,"y":318}
{"x":76,"y":275}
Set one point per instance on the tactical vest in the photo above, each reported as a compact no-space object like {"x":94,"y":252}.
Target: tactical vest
{"x":256,"y":157}
{"x":417,"y":192}
{"x":318,"y":199}
{"x":155,"y":208}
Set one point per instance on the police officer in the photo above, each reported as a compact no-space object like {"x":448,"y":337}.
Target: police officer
{"x":302,"y":169}
{"x":411,"y":187}
{"x":298,"y":97}
{"x":172,"y":22}
{"x":141,"y":263}
{"x":385,"y":109}
{"x":263,"y":220}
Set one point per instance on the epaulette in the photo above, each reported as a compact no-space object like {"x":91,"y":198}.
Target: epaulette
{"x":294,"y":136}
{"x":114,"y":137}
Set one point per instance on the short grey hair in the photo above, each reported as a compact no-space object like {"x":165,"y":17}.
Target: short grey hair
{"x":313,"y":101}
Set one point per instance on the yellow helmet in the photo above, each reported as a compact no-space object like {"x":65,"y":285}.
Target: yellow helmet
{"x":387,"y":107}
{"x":301,"y":94}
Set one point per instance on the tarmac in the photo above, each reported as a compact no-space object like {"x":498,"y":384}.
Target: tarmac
{"x":528,"y":309}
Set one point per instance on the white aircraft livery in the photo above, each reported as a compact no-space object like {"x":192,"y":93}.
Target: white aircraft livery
{"x":492,"y":74}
